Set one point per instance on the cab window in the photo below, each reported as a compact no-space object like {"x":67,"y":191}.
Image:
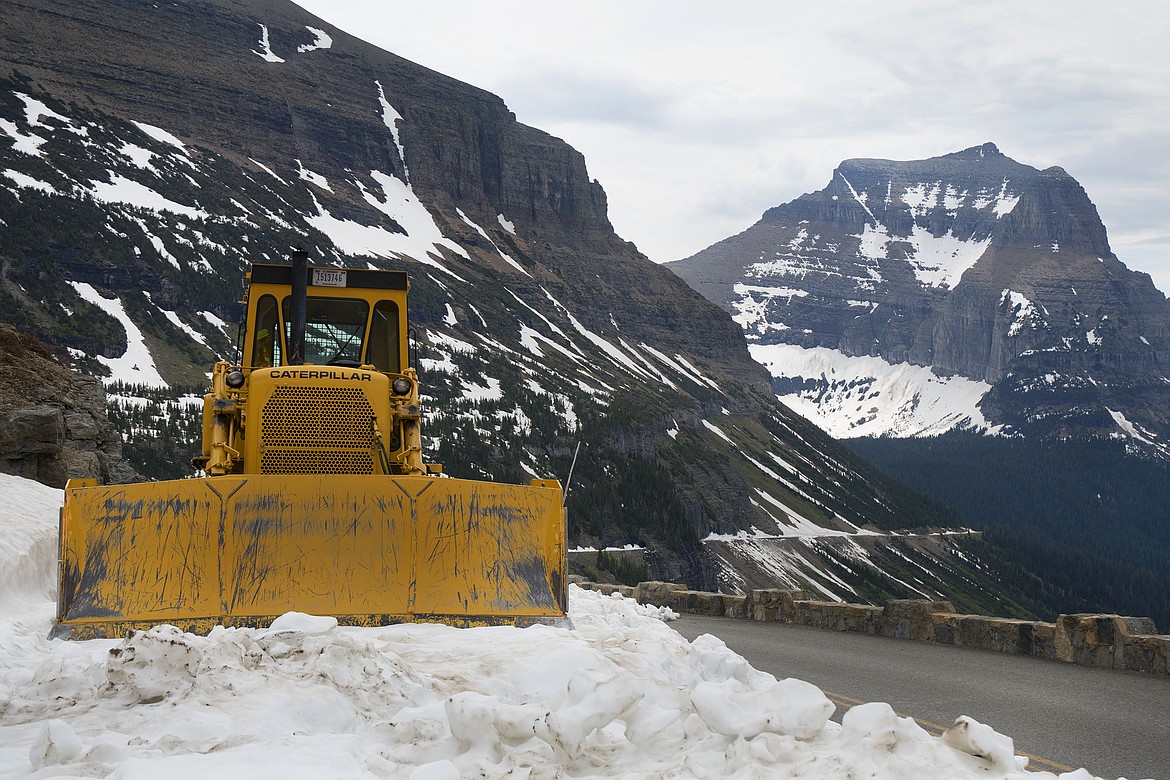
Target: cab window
{"x":335,"y":328}
{"x":265,"y":341}
{"x":384,"y":338}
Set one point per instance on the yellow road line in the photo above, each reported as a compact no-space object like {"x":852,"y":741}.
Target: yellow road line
{"x":937,"y":729}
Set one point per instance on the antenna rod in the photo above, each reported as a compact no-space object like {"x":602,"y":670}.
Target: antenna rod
{"x":569,"y":480}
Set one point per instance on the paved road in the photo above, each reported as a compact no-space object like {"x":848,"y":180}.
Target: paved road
{"x":1115,"y":724}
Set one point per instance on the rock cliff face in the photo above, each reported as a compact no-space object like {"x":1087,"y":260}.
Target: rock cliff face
{"x":53,"y":424}
{"x":970,"y":264}
{"x":347,"y":116}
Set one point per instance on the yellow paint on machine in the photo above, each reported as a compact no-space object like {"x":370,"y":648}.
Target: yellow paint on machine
{"x":368,"y":549}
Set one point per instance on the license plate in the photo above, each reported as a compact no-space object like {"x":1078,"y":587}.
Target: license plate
{"x":326,"y":277}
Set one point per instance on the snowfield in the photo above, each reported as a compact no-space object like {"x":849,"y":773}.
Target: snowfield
{"x":850,"y":397}
{"x":620,"y":695}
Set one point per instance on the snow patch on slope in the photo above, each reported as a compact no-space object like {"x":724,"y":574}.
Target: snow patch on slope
{"x":391,"y":118}
{"x":866,"y":396}
{"x":174,"y":319}
{"x":509,"y":260}
{"x":420,"y":242}
{"x":122,"y":190}
{"x":940,"y":261}
{"x":324,"y":41}
{"x":24,"y":181}
{"x":30,"y":143}
{"x":136,"y":365}
{"x":753,"y":304}
{"x":158,"y":134}
{"x":1137,"y":432}
{"x":1022,"y":311}
{"x":265,"y":52}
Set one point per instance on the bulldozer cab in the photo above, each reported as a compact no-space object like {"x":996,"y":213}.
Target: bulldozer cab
{"x":352,"y":318}
{"x":357,"y":413}
{"x":313,"y":494}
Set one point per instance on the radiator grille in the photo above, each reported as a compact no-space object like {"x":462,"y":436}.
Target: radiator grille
{"x":317,"y":430}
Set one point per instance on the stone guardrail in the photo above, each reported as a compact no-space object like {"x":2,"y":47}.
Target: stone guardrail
{"x":1108,"y":641}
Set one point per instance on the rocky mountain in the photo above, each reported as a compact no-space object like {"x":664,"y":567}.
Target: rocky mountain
{"x":149,"y":152}
{"x":913,"y":308}
{"x":968,"y":290}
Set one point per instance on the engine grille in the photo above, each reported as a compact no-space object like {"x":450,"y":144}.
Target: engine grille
{"x":316,"y":430}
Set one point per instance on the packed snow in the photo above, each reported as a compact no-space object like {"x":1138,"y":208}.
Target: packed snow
{"x":619,"y":695}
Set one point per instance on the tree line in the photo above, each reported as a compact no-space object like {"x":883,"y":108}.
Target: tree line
{"x":1082,"y":525}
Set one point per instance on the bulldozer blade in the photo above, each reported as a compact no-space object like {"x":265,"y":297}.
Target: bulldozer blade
{"x":369,"y":550}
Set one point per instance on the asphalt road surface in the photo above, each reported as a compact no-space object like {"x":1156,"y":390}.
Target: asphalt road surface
{"x":1062,"y":716}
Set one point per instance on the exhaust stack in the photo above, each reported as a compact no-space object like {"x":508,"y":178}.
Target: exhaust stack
{"x":300,"y":288}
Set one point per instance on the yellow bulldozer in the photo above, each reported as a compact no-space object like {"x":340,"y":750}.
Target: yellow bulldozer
{"x":312,"y":493}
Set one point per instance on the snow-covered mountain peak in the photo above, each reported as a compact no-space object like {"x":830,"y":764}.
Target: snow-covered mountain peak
{"x":966,"y":265}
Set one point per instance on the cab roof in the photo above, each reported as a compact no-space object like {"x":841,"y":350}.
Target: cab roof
{"x":351,"y":277}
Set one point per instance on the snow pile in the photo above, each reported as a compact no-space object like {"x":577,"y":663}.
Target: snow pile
{"x":621,"y":695}
{"x":28,"y":541}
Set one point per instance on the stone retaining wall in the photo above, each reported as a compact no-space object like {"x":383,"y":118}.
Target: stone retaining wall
{"x":1109,"y":641}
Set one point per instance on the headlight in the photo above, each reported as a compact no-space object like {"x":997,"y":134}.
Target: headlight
{"x":234,"y":379}
{"x":401,"y":386}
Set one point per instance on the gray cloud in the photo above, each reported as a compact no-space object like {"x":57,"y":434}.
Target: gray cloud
{"x":696,"y":119}
{"x":560,"y":95}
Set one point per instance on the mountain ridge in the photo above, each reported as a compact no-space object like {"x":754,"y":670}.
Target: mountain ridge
{"x":132,"y":219}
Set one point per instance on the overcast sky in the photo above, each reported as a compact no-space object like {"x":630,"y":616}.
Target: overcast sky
{"x":696,"y":116}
